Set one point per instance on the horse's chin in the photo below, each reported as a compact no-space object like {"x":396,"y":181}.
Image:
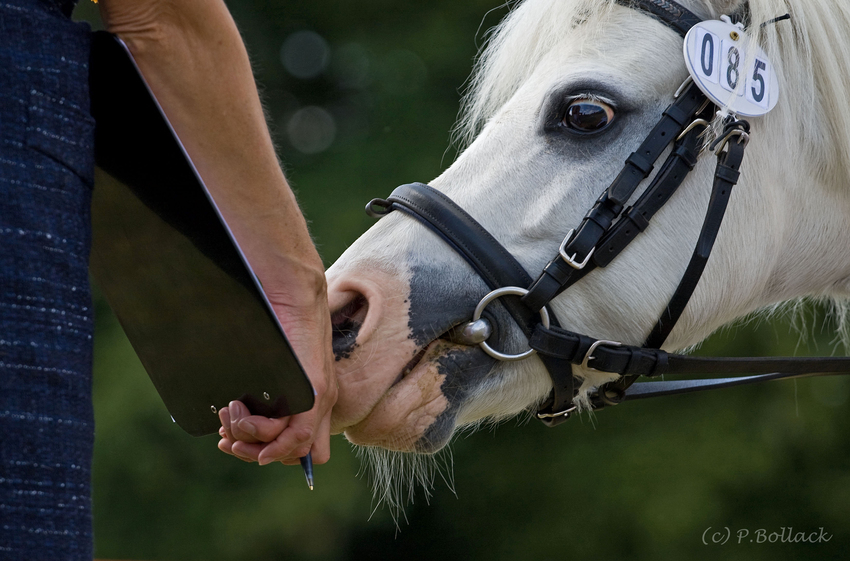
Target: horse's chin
{"x":412,"y":415}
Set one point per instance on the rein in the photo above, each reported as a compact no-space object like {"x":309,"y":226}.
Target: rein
{"x":605,"y":231}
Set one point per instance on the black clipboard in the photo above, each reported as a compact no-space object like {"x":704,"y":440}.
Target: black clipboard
{"x":170,"y":268}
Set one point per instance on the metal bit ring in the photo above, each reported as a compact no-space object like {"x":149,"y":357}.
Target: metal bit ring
{"x":498,"y":293}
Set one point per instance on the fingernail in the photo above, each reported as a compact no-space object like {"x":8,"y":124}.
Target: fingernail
{"x":248,"y":427}
{"x":235,"y":409}
{"x":265,"y":461}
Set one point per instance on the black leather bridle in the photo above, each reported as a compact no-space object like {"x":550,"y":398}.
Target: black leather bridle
{"x":604,"y":232}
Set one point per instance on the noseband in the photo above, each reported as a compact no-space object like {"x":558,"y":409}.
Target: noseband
{"x":606,"y":230}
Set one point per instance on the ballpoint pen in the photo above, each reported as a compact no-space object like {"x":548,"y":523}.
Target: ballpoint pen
{"x":307,"y":466}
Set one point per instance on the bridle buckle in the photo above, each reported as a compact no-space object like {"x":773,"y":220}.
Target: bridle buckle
{"x":733,"y":128}
{"x":720,"y":144}
{"x":571,"y":261}
{"x":593,"y":347}
{"x":565,"y":413}
{"x":696,"y":123}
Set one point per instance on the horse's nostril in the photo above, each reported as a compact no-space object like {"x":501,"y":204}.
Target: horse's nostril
{"x":346,"y":324}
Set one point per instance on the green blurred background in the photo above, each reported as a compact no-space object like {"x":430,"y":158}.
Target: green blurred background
{"x":361,"y":97}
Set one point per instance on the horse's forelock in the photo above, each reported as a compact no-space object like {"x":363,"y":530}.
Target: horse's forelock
{"x":510,"y":53}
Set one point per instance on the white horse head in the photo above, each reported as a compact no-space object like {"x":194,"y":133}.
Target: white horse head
{"x":531,"y":170}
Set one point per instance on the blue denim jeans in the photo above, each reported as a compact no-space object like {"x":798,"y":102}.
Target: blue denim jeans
{"x":46,"y":323}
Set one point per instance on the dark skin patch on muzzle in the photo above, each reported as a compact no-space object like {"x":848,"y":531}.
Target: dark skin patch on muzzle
{"x":440,"y":299}
{"x":465,"y":370}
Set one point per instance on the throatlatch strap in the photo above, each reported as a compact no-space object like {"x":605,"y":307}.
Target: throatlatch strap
{"x":725,"y":177}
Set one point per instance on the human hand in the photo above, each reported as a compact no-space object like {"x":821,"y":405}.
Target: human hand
{"x":194,"y":61}
{"x":287,"y":439}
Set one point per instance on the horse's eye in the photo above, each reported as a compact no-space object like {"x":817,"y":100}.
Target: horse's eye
{"x":588,"y":115}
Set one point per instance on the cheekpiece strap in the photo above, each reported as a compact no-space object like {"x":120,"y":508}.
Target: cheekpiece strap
{"x":578,"y":255}
{"x":725,"y":177}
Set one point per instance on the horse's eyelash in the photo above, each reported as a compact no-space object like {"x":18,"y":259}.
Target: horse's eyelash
{"x":591,"y":97}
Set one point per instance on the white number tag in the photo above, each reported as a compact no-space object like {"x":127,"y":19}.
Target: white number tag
{"x":716,"y":57}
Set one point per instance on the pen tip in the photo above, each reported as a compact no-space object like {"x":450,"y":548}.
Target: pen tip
{"x":311,"y":487}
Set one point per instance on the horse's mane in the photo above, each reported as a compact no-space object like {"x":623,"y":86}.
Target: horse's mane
{"x":810,"y":53}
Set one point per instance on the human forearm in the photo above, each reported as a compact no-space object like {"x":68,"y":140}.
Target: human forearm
{"x":193,"y":58}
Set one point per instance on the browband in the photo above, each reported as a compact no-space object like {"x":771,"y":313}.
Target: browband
{"x":673,"y":15}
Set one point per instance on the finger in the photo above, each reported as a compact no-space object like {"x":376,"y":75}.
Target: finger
{"x":297,"y":454}
{"x":224,"y":417}
{"x":238,"y":417}
{"x":259,"y":429}
{"x":226,"y":443}
{"x":247,"y":450}
{"x":226,"y":446}
{"x":293,"y":442}
{"x":321,"y":450}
